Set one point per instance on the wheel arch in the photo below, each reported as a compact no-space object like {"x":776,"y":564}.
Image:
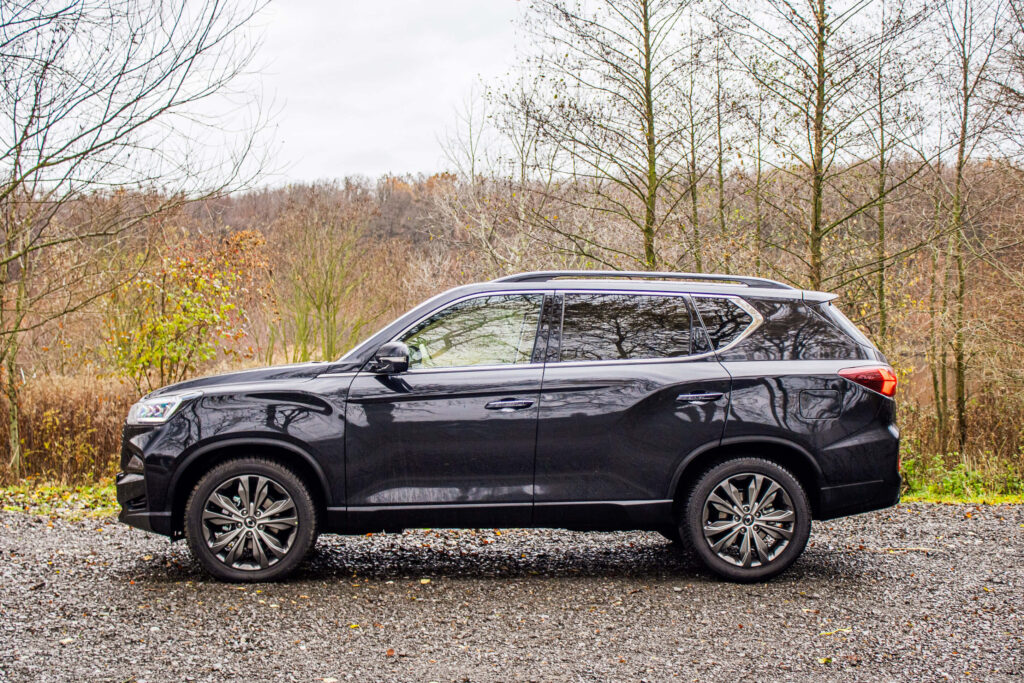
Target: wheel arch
{"x":792,"y":456}
{"x":206,"y":457}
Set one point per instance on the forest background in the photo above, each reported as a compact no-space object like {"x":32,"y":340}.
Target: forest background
{"x":871,"y":148}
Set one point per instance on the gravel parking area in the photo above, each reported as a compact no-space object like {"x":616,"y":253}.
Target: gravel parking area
{"x":918,"y":592}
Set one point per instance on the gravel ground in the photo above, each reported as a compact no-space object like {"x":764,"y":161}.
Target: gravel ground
{"x":917,"y":592}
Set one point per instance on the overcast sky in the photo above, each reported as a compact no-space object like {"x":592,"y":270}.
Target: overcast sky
{"x":369,"y":87}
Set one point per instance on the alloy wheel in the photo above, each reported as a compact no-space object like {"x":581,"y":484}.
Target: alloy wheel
{"x":748,"y":519}
{"x":249,"y":522}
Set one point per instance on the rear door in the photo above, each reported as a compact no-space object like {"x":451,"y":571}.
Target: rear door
{"x":630,"y":388}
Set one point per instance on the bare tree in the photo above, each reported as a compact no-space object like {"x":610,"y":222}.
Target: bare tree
{"x":697,"y":115}
{"x":607,"y":73}
{"x":490,"y":151}
{"x":895,"y":120}
{"x":104,"y":98}
{"x":811,"y":58}
{"x":976,"y":40}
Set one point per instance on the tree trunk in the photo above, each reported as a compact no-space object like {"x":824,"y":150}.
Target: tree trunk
{"x":720,"y":152}
{"x":758,"y":219}
{"x":937,"y":370}
{"x":815,"y":234}
{"x":944,"y":356}
{"x":698,"y":264}
{"x":650,"y":207}
{"x":880,"y":254}
{"x":13,"y":411}
{"x":960,"y":259}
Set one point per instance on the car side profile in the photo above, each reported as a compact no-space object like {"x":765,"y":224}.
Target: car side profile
{"x":725,"y":412}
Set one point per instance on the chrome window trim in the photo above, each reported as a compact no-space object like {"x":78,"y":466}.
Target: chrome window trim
{"x":630,"y":361}
{"x":757,"y":321}
{"x":469,"y":368}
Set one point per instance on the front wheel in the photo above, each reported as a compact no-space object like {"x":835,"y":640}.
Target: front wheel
{"x":250,"y":519}
{"x":672,"y":534}
{"x":748,"y":519}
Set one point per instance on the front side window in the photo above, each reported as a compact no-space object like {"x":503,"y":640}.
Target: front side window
{"x":487,"y":330}
{"x":624,"y":326}
{"x":723,"y":319}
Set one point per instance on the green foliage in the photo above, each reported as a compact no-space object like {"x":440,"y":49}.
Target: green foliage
{"x":54,"y":500}
{"x":73,"y":444}
{"x":948,"y":477}
{"x":161,"y":326}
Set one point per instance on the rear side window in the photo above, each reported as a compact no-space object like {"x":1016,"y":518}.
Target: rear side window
{"x":723,"y":319}
{"x":832,"y":313}
{"x":624,"y":326}
{"x":791,"y":331}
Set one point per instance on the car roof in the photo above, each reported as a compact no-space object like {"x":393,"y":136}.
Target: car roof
{"x":682,"y":283}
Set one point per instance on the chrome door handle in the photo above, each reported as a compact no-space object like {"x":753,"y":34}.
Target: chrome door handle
{"x":507,"y":405}
{"x":699,"y":399}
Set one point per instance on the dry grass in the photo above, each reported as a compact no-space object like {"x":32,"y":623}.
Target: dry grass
{"x":70,"y":428}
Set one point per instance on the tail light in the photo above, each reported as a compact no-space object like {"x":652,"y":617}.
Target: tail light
{"x":880,"y":378}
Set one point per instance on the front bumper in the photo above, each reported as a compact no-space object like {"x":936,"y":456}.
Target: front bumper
{"x":131,"y":495}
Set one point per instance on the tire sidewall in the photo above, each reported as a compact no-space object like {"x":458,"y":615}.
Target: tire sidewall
{"x":692,"y":526}
{"x":287,"y":479}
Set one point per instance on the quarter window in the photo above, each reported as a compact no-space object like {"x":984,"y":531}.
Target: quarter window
{"x":723,"y":318}
{"x":486,"y":330}
{"x":624,"y":326}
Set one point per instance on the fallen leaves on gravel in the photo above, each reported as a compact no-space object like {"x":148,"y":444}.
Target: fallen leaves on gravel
{"x":838,"y":630}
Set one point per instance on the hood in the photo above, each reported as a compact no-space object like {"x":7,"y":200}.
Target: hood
{"x":277,"y":372}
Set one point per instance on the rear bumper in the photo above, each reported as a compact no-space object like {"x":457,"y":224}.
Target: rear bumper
{"x":851,"y":499}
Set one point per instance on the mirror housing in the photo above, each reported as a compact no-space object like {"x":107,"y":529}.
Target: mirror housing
{"x":390,"y":359}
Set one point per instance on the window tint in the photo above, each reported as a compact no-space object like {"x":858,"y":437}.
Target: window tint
{"x":487,"y":330}
{"x":723,"y":319}
{"x":831,"y":312}
{"x":791,"y":331}
{"x":623,"y":326}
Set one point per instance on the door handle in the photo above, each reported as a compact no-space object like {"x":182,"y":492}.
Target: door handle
{"x":699,"y":399}
{"x":507,"y":405}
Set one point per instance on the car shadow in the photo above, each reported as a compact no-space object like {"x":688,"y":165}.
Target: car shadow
{"x":514,"y":554}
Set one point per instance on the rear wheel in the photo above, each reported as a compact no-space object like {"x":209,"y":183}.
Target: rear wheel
{"x":748,"y":519}
{"x":250,"y":519}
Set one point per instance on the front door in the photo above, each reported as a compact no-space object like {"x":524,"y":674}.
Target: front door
{"x":629,"y":389}
{"x":451,"y":441}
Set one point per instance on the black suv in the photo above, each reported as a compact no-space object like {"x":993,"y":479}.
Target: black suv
{"x":724,"y":412}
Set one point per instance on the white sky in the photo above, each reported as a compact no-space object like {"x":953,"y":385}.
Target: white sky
{"x":368,"y":87}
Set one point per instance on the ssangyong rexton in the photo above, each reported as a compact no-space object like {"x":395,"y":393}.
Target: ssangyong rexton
{"x":724,"y":412}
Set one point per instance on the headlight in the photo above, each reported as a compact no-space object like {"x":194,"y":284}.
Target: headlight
{"x":158,"y":410}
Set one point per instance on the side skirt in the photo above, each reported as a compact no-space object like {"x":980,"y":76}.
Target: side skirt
{"x":601,"y":515}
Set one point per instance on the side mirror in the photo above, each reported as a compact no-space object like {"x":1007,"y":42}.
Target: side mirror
{"x":390,"y":358}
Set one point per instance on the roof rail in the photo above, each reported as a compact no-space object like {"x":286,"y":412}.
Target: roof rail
{"x":546,"y":275}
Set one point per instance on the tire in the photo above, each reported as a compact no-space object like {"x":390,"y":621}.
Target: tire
{"x":250,"y":519}
{"x":767,"y":525}
{"x":672,"y":534}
